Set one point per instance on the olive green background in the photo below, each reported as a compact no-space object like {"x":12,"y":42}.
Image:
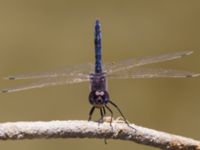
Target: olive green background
{"x":42,"y":35}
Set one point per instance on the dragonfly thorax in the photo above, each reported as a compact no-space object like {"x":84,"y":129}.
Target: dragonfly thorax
{"x":98,"y":82}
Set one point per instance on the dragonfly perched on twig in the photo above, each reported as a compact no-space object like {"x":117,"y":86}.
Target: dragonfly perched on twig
{"x":99,"y":96}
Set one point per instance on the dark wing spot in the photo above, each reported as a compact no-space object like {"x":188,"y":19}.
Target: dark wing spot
{"x":4,"y":91}
{"x":11,"y":78}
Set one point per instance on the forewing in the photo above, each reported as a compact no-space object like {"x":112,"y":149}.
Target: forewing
{"x":48,"y":82}
{"x":135,"y":62}
{"x":64,"y":72}
{"x":153,"y":73}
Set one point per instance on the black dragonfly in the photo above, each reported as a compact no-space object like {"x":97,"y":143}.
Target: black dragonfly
{"x":99,"y":97}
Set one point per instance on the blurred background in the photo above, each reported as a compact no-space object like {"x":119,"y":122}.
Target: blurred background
{"x":47,"y":34}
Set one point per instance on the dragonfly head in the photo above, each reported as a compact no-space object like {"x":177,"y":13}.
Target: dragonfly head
{"x":98,"y":98}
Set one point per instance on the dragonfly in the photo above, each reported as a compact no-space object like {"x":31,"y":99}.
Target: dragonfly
{"x":98,"y":74}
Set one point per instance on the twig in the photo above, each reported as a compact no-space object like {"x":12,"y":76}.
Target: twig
{"x":85,"y":129}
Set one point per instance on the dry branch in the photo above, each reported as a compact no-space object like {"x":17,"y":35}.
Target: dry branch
{"x":85,"y":129}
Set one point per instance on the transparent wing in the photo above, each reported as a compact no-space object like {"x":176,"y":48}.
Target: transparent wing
{"x":152,"y":73}
{"x":135,"y":62}
{"x":68,"y":71}
{"x":48,"y":82}
{"x":109,"y":68}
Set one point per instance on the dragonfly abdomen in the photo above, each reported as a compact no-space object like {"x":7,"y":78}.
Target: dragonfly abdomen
{"x":97,"y":42}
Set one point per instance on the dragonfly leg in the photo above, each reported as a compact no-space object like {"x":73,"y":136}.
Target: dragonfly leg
{"x":104,"y":111}
{"x":91,"y":112}
{"x":110,"y":112}
{"x":119,"y":111}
